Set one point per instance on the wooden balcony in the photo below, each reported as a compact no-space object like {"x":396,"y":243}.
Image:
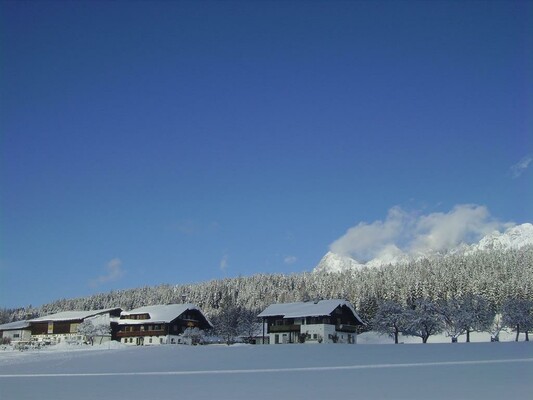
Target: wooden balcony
{"x":283,"y":328}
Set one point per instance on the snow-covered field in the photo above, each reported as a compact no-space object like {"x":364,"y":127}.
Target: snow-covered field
{"x":408,"y":371}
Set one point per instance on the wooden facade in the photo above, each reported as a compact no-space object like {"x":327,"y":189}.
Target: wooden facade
{"x":64,"y":325}
{"x":159,"y":325}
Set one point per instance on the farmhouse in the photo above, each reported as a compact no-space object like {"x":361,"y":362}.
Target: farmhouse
{"x":320,"y":321}
{"x":15,"y":332}
{"x":160,"y":324}
{"x":64,"y":325}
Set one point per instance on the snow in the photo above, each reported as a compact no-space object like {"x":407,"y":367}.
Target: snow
{"x":514,"y":237}
{"x":333,"y":262}
{"x":506,"y":335}
{"x":71,"y":315}
{"x":14,"y":325}
{"x":305,"y":309}
{"x":158,"y":314}
{"x":436,"y":371}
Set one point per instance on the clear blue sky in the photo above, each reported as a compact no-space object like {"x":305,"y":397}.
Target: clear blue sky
{"x":175,"y":142}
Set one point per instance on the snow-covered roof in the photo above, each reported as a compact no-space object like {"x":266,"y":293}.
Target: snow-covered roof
{"x":306,"y":309}
{"x":11,"y":326}
{"x":158,"y":314}
{"x":72,"y":315}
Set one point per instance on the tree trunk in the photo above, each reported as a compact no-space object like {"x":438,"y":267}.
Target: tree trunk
{"x":527,"y":336}
{"x":468,"y":336}
{"x":517,"y":332}
{"x":395,"y":335}
{"x":425,"y":338}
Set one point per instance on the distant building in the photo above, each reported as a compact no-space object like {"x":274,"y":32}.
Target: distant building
{"x":63,"y":326}
{"x":320,"y":321}
{"x":160,"y":324}
{"x":15,"y":332}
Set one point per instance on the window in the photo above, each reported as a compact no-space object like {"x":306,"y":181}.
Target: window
{"x":315,"y":336}
{"x":15,"y":335}
{"x":160,"y":340}
{"x":150,"y":340}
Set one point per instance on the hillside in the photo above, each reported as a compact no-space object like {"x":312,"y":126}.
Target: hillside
{"x":495,"y":274}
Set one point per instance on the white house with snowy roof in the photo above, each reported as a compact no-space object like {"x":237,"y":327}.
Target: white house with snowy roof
{"x":15,"y":332}
{"x":63,"y":326}
{"x":160,"y":324}
{"x":319,"y":321}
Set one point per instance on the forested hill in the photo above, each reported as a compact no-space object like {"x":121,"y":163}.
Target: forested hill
{"x":494,"y":274}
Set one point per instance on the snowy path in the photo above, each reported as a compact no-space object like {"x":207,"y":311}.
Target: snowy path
{"x":271,"y":370}
{"x":472,"y":371}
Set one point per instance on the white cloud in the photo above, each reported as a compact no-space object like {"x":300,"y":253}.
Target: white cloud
{"x":224,"y":263}
{"x":411,"y":233}
{"x":519,"y":168}
{"x":290,"y":260}
{"x":364,"y":241}
{"x":441,"y":231}
{"x":114,"y":272}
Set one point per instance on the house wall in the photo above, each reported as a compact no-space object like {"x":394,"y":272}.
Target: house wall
{"x":154,"y":340}
{"x":17,"y":335}
{"x":57,"y":338}
{"x":315,"y":333}
{"x":328,"y":333}
{"x":54,"y":332}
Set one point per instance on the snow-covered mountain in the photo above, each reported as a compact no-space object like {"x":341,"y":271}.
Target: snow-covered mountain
{"x":513,"y":238}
